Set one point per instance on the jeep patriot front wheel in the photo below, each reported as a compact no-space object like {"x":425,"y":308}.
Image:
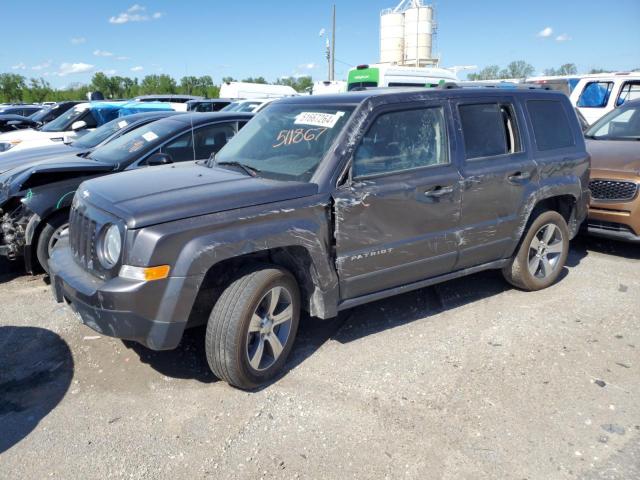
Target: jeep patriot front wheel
{"x":253,"y":326}
{"x":541,"y":255}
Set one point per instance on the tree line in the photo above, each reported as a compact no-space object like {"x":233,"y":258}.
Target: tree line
{"x":18,"y":88}
{"x":521,"y":69}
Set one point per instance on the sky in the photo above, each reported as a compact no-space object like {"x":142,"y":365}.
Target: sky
{"x":68,"y":41}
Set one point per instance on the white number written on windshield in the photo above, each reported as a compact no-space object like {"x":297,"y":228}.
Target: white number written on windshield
{"x":298,"y":135}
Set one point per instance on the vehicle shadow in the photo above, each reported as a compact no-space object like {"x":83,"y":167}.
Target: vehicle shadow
{"x":187,"y":362}
{"x":10,"y":270}
{"x":36,"y":368}
{"x":627,"y":250}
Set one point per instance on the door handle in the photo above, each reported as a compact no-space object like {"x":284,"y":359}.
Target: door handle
{"x":519,"y":177}
{"x":439,"y":191}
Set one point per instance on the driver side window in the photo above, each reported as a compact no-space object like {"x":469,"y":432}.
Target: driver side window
{"x":403,"y":140}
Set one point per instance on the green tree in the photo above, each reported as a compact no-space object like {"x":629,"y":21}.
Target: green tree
{"x":12,"y":87}
{"x":300,"y":84}
{"x":157,"y":84}
{"x":598,"y":70}
{"x":228,"y":79}
{"x":38,"y":90}
{"x":517,"y":69}
{"x":566,"y":69}
{"x":260,"y":80}
{"x":188,"y":85}
{"x":492,"y":72}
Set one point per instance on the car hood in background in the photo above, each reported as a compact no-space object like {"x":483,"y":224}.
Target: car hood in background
{"x":41,"y":172}
{"x":149,"y":196}
{"x":615,"y":155}
{"x":16,"y":158}
{"x":29,"y":134}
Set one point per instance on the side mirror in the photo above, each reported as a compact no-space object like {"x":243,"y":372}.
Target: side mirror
{"x":79,"y":125}
{"x":159,"y":159}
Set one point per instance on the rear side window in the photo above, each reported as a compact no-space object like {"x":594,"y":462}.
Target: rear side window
{"x":489,"y":130}
{"x":403,"y":140}
{"x":629,"y":91}
{"x":595,"y":95}
{"x":551,"y":126}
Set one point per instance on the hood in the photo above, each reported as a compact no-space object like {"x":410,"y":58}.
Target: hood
{"x":149,"y":196}
{"x":29,"y":135}
{"x":13,"y":159}
{"x":615,"y":155}
{"x":31,"y":174}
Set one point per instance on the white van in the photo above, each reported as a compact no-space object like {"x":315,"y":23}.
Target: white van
{"x":381,"y":75}
{"x":255,"y":90}
{"x":327,"y":87}
{"x":596,"y":95}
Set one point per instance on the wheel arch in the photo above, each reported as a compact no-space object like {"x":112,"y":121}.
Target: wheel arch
{"x":295,"y":259}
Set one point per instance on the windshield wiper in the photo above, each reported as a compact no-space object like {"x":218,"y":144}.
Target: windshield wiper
{"x":251,"y":171}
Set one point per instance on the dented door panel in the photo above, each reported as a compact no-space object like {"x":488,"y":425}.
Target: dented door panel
{"x":396,"y":229}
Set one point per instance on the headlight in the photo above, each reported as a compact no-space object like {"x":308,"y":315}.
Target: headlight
{"x":111,"y":247}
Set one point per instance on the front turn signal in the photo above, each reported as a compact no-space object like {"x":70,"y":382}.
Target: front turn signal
{"x":145,"y":274}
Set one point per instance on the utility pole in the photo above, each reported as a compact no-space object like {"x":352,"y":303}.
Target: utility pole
{"x":332,"y":67}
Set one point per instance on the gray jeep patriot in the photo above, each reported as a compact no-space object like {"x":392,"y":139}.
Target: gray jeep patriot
{"x":323,"y":203}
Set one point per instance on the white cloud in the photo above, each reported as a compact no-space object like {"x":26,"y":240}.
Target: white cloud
{"x":19,"y":66}
{"x":109,"y":72}
{"x":78,"y":40}
{"x":123,"y":58}
{"x":137,"y":68}
{"x":307,"y":66}
{"x":564,"y":37}
{"x":135,"y":13}
{"x":546,"y":32}
{"x":42,"y":66}
{"x":102,"y":53}
{"x":73,"y":68}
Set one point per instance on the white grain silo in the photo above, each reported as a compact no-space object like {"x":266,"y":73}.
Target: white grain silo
{"x":418,"y":32}
{"x":391,"y":37}
{"x":406,"y":34}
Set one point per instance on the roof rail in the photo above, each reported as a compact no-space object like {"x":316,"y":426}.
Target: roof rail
{"x":497,"y":84}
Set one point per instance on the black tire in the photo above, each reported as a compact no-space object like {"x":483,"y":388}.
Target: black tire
{"x":518,"y":272}
{"x":52,"y":225}
{"x":228,"y":339}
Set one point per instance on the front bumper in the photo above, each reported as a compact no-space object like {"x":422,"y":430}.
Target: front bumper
{"x":154,"y":314}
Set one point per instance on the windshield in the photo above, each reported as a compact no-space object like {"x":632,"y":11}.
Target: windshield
{"x":100,"y":134}
{"x":232,"y":107}
{"x":287,"y":142}
{"x":136,"y":143}
{"x":620,"y":124}
{"x":40,"y":115}
{"x":63,"y":122}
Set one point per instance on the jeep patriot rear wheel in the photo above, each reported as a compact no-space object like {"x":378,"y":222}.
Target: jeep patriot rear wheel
{"x":541,"y":255}
{"x":253,"y":326}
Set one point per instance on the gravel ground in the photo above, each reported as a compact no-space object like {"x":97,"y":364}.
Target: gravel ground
{"x":468,"y":379}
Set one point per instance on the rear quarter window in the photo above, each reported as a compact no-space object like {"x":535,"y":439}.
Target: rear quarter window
{"x":551,"y":127}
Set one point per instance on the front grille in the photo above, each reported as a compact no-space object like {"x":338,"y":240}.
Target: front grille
{"x":82,"y":233}
{"x":612,"y":190}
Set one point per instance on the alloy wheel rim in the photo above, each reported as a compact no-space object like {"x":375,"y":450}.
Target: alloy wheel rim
{"x":55,"y":238}
{"x":545,"y":250}
{"x":269,"y":328}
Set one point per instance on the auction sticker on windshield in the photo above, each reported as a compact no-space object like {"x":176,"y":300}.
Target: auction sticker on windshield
{"x":149,"y":136}
{"x":122,"y":124}
{"x":318,"y":119}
